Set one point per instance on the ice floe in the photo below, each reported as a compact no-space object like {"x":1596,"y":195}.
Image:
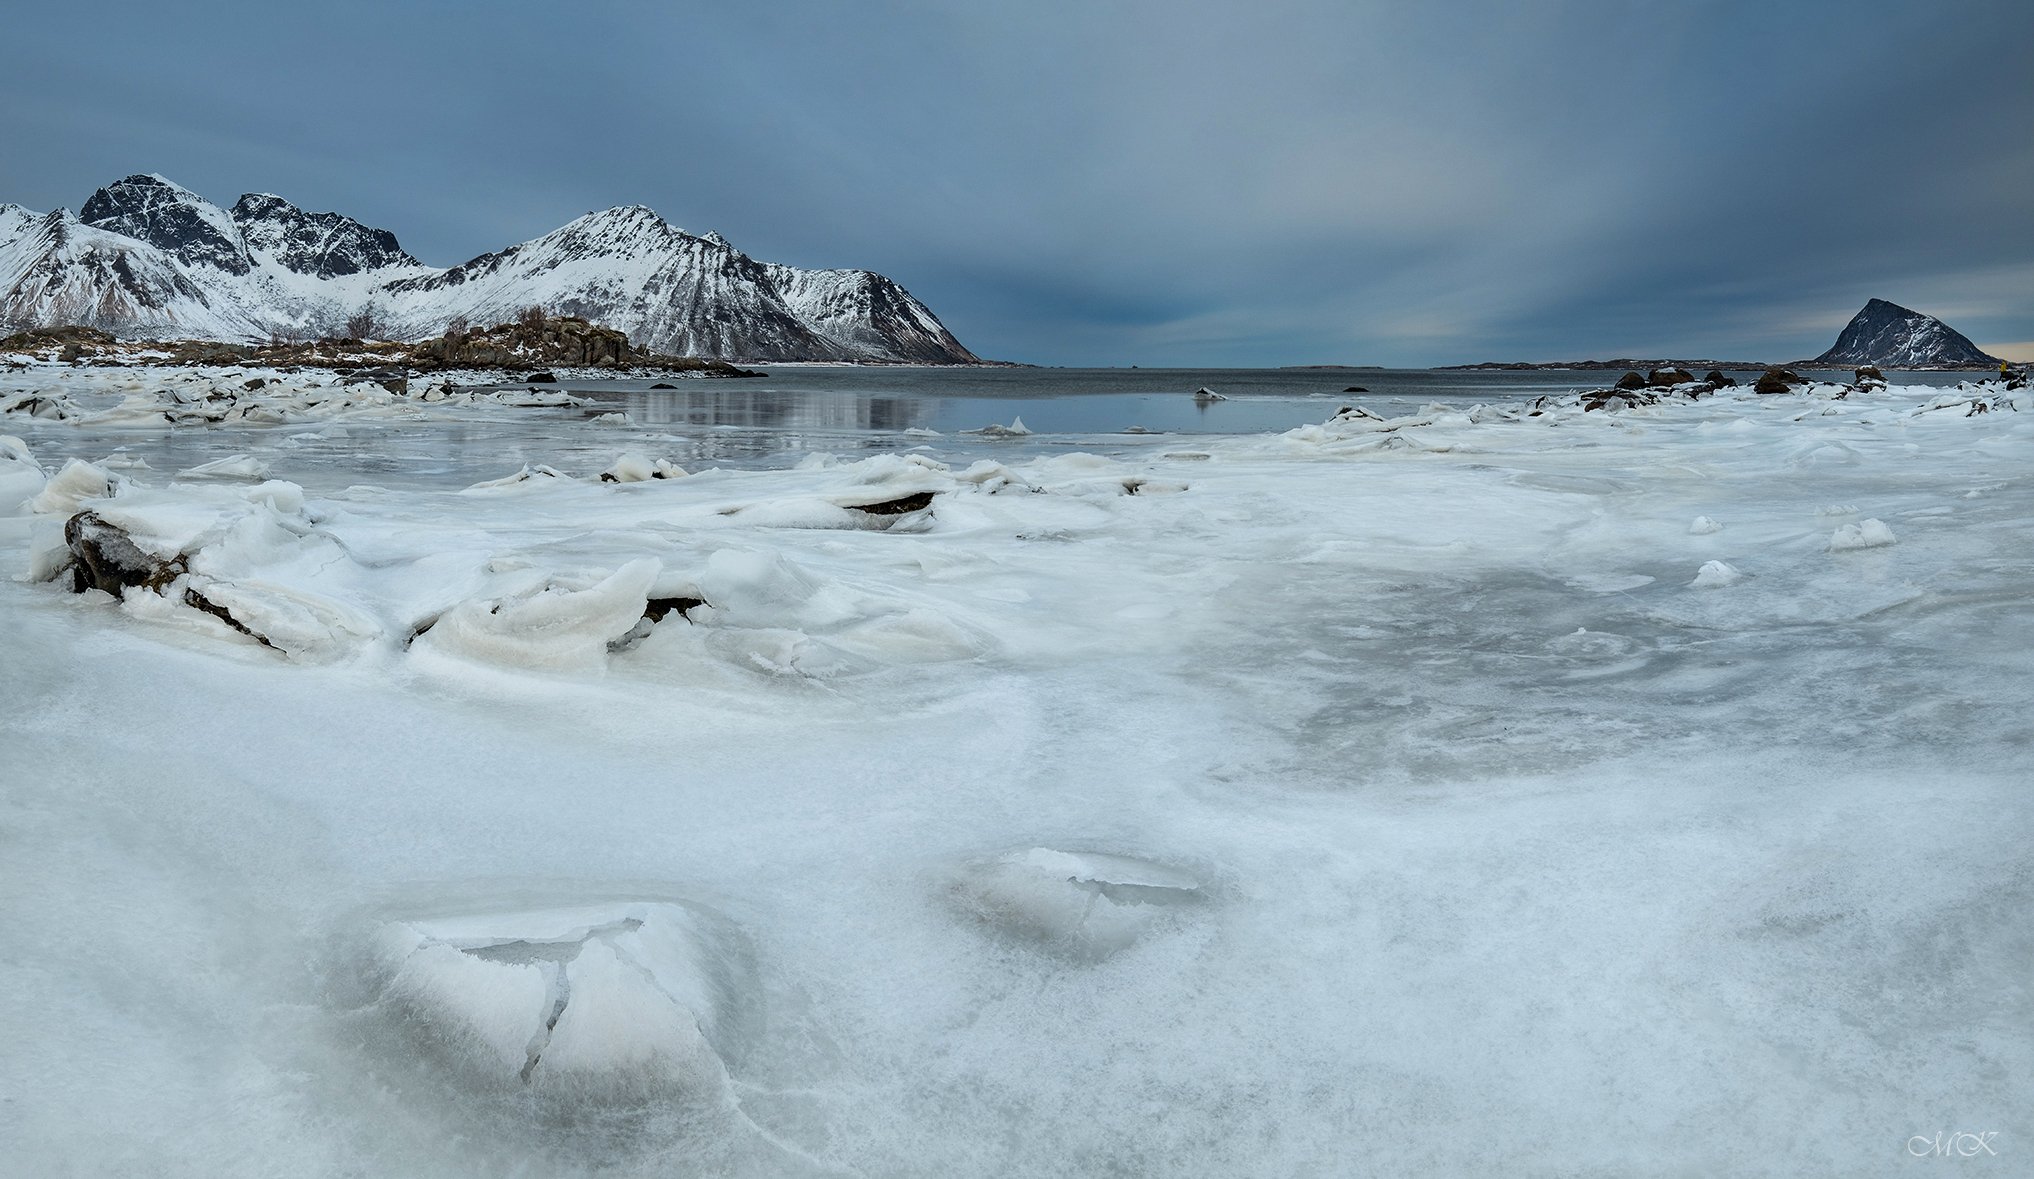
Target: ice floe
{"x":1866,"y":534}
{"x":1082,"y":904}
{"x":1302,"y":787}
{"x":623,"y":1000}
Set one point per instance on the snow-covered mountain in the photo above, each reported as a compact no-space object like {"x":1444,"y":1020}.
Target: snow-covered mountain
{"x":1891,"y":336}
{"x":151,"y":258}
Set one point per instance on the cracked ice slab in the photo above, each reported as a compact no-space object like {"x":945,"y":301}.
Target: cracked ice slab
{"x":1079,"y":904}
{"x":606,"y":998}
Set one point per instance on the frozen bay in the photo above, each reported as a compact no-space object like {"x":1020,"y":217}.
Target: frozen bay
{"x":1407,"y":793}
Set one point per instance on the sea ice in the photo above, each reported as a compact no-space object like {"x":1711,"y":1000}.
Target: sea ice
{"x":635,"y":467}
{"x":237,"y":466}
{"x":1534,"y":852}
{"x":1084,"y":905}
{"x":623,"y":1000}
{"x":20,"y":475}
{"x":68,"y":489}
{"x":1867,"y":534}
{"x":1016,"y":429}
{"x":1716,"y":575}
{"x":564,"y":620}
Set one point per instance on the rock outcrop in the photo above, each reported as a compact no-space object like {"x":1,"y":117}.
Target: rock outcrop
{"x":565,"y":340}
{"x":1778,"y":380}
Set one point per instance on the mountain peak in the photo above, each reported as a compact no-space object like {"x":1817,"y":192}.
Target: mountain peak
{"x":152,"y":258}
{"x":171,"y":218}
{"x":323,"y":245}
{"x":629,"y":215}
{"x":258,"y":204}
{"x":1891,"y":336}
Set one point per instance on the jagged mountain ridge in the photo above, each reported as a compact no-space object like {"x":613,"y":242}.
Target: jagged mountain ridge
{"x":1891,"y":336}
{"x":153,"y":259}
{"x":323,"y":244}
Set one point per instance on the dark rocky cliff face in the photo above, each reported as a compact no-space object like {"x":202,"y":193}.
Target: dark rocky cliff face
{"x":1891,"y":336}
{"x":172,"y":219}
{"x":323,"y":244}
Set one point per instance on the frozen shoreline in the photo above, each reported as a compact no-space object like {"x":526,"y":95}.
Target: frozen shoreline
{"x":1519,"y":837}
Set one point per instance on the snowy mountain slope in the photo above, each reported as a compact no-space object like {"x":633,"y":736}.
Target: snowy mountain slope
{"x":1891,"y":336}
{"x":626,"y":268}
{"x":864,"y":310}
{"x":171,"y":218}
{"x":326,"y":245}
{"x":57,"y":270}
{"x":151,"y":258}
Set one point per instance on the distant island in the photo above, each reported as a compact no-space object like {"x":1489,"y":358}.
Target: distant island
{"x":1620,"y":363}
{"x":1883,"y":334}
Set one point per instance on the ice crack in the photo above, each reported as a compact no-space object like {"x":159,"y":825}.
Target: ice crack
{"x":553,"y":958}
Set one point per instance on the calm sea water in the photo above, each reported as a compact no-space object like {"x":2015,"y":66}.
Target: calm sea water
{"x":797,"y":408}
{"x":1062,"y":401}
{"x":778,"y":419}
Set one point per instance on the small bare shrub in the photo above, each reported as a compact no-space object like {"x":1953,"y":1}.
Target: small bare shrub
{"x":365,"y":324}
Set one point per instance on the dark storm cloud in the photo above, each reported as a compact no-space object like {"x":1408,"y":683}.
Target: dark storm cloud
{"x":1134,"y":182}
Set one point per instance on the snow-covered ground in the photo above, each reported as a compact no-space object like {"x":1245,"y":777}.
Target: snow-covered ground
{"x":1634,"y":791}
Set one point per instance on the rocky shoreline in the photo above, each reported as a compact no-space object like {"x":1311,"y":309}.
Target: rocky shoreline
{"x":531,"y":344}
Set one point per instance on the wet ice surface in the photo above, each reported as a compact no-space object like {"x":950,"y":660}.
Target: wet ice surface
{"x":1379,"y":797}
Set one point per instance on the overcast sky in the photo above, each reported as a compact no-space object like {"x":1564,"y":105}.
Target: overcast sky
{"x":1172,"y":182}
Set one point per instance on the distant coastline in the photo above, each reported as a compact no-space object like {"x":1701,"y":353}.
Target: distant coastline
{"x":1691,"y":365}
{"x":1622,"y":363}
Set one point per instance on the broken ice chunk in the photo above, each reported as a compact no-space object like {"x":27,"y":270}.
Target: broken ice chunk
{"x":1084,"y":905}
{"x":71,"y":487}
{"x":606,"y":1000}
{"x":1716,"y":575}
{"x":1703,"y":526}
{"x":20,"y":475}
{"x":1016,"y":429}
{"x":635,"y":467}
{"x":1868,"y":534}
{"x":528,"y":475}
{"x":566,"y":622}
{"x":237,"y":466}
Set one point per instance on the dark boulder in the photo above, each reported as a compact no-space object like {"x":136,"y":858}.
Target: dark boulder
{"x":1870,"y":372}
{"x":394,"y":380}
{"x":657,"y":609}
{"x":1777,"y":380}
{"x":1631,"y":381}
{"x":104,"y":557}
{"x":915,"y":502}
{"x":1664,"y":378}
{"x":1355,"y":389}
{"x":1717,"y":380}
{"x":1615,"y":399}
{"x":542,"y":378}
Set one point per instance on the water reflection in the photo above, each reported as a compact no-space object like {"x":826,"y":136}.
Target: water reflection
{"x":742,"y":407}
{"x":778,"y":419}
